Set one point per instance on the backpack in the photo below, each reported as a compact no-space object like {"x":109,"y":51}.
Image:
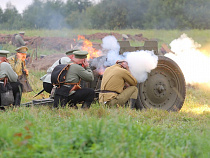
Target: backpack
{"x":58,"y":75}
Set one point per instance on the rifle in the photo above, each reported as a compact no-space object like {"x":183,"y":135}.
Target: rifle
{"x":38,"y":93}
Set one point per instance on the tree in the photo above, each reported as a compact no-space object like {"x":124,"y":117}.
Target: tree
{"x":11,"y":19}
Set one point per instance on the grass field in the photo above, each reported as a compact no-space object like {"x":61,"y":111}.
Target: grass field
{"x":101,"y":132}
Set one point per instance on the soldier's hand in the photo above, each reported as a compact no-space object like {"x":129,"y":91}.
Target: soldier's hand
{"x":85,"y":63}
{"x":26,"y":71}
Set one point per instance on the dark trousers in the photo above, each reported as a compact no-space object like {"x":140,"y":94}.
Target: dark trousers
{"x":85,"y":95}
{"x":47,"y":87}
{"x":17,"y":89}
{"x":17,"y":92}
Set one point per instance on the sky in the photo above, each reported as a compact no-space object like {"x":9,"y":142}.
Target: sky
{"x":19,"y":4}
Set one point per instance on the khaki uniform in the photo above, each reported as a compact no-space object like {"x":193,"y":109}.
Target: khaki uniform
{"x":19,"y":41}
{"x":17,"y":64}
{"x":113,"y":82}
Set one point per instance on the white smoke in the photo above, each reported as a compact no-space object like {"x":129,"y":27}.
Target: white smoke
{"x":110,"y":43}
{"x":194,"y":64}
{"x":140,"y":62}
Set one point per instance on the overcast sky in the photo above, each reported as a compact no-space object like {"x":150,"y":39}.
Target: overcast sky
{"x":19,"y":4}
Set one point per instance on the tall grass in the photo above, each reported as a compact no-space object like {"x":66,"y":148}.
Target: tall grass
{"x":40,"y":131}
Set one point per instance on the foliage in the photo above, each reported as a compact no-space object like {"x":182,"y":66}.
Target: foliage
{"x":109,"y":14}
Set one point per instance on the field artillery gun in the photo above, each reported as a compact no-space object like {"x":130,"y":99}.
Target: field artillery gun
{"x":165,"y":86}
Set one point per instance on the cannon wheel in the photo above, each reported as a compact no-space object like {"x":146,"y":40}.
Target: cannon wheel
{"x":164,"y":88}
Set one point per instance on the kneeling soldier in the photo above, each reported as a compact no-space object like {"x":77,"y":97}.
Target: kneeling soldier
{"x":8,"y":81}
{"x":79,"y":70}
{"x":118,"y":86}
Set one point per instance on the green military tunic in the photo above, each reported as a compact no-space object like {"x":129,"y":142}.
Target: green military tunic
{"x":7,"y":71}
{"x":17,"y":64}
{"x":77,"y":72}
{"x":19,"y":41}
{"x":114,"y":79}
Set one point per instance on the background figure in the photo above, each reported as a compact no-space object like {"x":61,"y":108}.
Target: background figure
{"x":19,"y":40}
{"x":124,"y":37}
{"x":47,"y":85}
{"x":118,"y":86}
{"x":68,"y":93}
{"x":18,"y":64}
{"x":8,"y":78}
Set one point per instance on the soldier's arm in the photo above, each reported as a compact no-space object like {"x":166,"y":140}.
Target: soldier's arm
{"x":85,"y":74}
{"x":129,"y":78}
{"x":12,"y":76}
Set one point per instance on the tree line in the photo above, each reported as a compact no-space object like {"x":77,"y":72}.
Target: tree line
{"x":109,"y":14}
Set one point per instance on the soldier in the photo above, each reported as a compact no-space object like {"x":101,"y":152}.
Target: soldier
{"x":47,"y":85}
{"x":124,"y":37}
{"x":18,"y":64}
{"x":7,"y":75}
{"x":19,"y":40}
{"x":68,"y":93}
{"x":118,"y":85}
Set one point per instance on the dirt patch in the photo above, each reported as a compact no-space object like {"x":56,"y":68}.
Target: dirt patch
{"x":45,"y":62}
{"x":60,"y":44}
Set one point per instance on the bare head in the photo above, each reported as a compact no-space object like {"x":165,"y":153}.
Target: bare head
{"x":123,"y":64}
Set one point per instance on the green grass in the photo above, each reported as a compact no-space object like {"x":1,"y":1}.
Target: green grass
{"x":39,"y":131}
{"x":102,"y":132}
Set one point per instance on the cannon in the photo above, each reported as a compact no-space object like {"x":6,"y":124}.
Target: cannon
{"x":165,"y":87}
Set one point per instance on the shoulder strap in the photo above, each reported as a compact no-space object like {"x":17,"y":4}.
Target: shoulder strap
{"x":59,"y":61}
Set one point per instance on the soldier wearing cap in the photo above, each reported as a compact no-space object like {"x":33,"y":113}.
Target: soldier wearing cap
{"x":124,"y":37}
{"x":79,"y":70}
{"x":118,"y":86}
{"x":7,"y":74}
{"x":47,"y":85}
{"x":19,"y":66}
{"x":19,"y":39}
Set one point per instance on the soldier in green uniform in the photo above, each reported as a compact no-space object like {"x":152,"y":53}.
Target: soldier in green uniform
{"x":18,"y":64}
{"x":118,"y":86}
{"x":47,"y":85}
{"x":19,"y":40}
{"x":79,"y":70}
{"x":8,"y":76}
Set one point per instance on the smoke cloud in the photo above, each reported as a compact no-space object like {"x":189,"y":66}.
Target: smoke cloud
{"x":193,"y":63}
{"x":140,"y":62}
